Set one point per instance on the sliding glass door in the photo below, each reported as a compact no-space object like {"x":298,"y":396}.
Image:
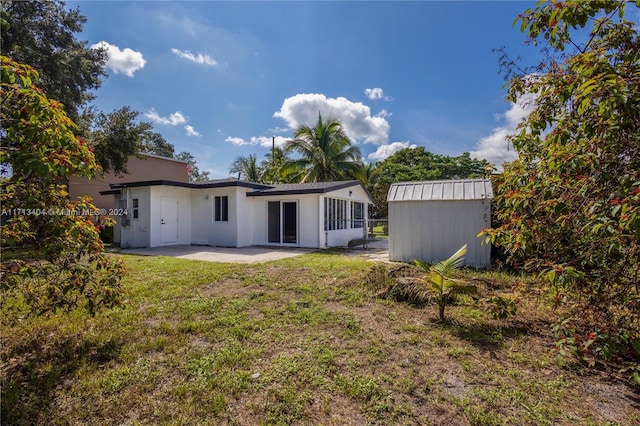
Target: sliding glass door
{"x":283,"y":222}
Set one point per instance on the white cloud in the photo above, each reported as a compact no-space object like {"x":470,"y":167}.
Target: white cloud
{"x":280,"y":130}
{"x":495,"y":148}
{"x":359,"y":124}
{"x":236,"y":141}
{"x":384,"y":113}
{"x":191,"y":131}
{"x":173,"y":119}
{"x":125,"y":61}
{"x":388,"y":150}
{"x":376,"y":93}
{"x":519,"y":111}
{"x":263,"y":141}
{"x":199,"y":59}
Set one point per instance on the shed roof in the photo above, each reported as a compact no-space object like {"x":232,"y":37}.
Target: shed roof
{"x":441,"y":190}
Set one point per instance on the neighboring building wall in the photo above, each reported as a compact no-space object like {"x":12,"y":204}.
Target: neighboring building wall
{"x":150,"y":167}
{"x":434,"y":230}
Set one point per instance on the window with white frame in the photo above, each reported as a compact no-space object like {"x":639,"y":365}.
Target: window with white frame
{"x":221,"y":209}
{"x":357,"y":214}
{"x":335,"y":214}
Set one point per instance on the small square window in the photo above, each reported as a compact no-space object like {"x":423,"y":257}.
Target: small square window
{"x":135,"y":208}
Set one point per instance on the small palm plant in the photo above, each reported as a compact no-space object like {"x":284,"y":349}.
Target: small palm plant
{"x":442,"y":284}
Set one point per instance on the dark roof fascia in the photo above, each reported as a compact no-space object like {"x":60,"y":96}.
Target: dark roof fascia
{"x":240,"y":183}
{"x":223,"y":184}
{"x":110,"y":192}
{"x":287,"y":192}
{"x":150,"y":183}
{"x":337,"y":186}
{"x":261,"y":190}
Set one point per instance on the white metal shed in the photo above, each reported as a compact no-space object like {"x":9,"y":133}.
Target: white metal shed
{"x":431,"y":220}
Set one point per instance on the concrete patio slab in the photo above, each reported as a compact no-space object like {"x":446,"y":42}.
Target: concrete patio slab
{"x":377,"y":250}
{"x":221,"y":254}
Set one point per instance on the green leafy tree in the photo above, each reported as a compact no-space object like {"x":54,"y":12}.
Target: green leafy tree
{"x":195,"y":175}
{"x":117,"y":136}
{"x":52,"y":256}
{"x":326,"y":153}
{"x":417,"y":164}
{"x":43,"y":34}
{"x":369,"y":175}
{"x":248,"y":168}
{"x":441,"y":283}
{"x":273,"y":166}
{"x":155,"y":143}
{"x":569,"y":206}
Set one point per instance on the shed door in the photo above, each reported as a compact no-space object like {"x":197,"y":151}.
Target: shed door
{"x":168,"y":220}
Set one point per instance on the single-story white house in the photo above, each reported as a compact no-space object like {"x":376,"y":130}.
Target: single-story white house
{"x":431,"y":220}
{"x":235,"y":213}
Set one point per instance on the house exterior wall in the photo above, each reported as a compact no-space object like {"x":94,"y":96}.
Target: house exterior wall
{"x":245,"y":213}
{"x":140,"y":169}
{"x":234,"y":232}
{"x":341,"y":237}
{"x":130,"y":232}
{"x":434,"y":230}
{"x":183,"y":197}
{"x":191,"y":217}
{"x":307,"y":219}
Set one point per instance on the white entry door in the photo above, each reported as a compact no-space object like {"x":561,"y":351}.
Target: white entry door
{"x":168,"y":220}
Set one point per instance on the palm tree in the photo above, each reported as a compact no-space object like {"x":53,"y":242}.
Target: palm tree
{"x":272,"y":166}
{"x":326,"y":153}
{"x":441,"y":284}
{"x":248,"y":168}
{"x":368,"y":174}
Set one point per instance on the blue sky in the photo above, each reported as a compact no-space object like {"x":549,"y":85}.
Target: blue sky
{"x":219,"y":79}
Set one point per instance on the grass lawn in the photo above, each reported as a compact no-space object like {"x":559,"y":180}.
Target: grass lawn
{"x":297,"y":341}
{"x":379,"y":232}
